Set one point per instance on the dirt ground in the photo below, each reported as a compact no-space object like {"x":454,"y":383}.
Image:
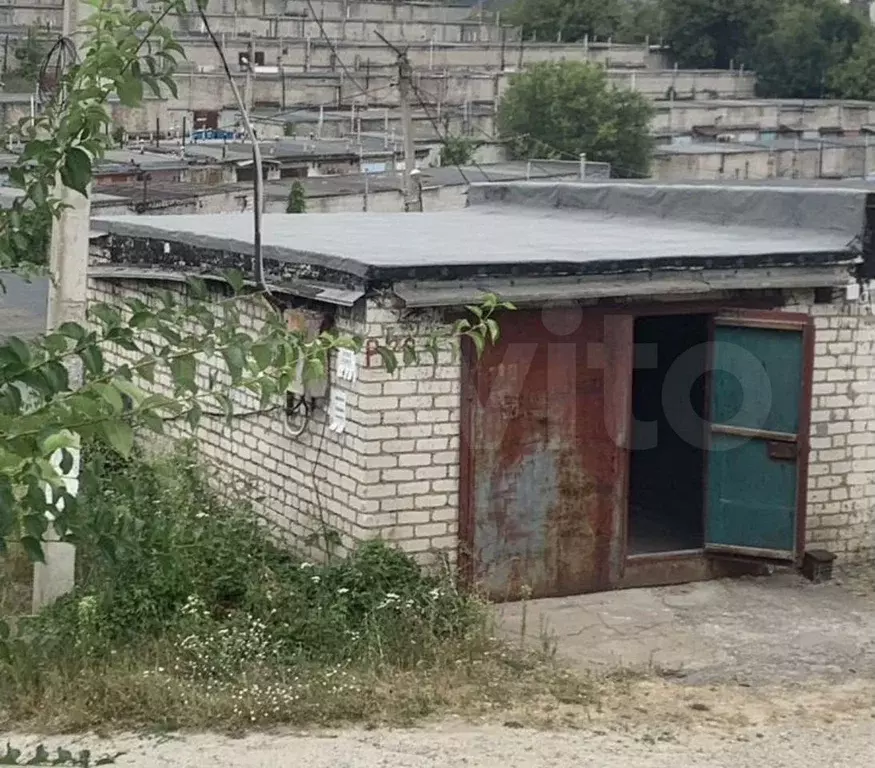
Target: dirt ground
{"x":652,"y":724}
{"x":770,"y":671}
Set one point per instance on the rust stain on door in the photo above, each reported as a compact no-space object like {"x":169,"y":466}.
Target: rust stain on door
{"x":545,"y":476}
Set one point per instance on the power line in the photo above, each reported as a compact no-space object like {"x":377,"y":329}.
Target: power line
{"x":257,"y":254}
{"x":444,"y":139}
{"x":333,"y":48}
{"x":402,"y":58}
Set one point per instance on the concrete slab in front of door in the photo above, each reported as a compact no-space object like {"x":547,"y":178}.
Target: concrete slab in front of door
{"x":753,"y":631}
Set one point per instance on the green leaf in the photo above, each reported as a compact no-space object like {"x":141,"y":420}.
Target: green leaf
{"x":34,"y":551}
{"x":193,"y":416}
{"x":129,"y":389}
{"x":56,"y":343}
{"x":120,"y":435}
{"x":72,"y":331}
{"x":235,"y":279}
{"x":111,"y":395}
{"x":389,"y":358}
{"x":92,"y":359}
{"x":494,"y":330}
{"x":19,"y":349}
{"x":235,"y":361}
{"x":130,"y":91}
{"x":183,"y":369}
{"x":225,"y":404}
{"x":107,"y":547}
{"x":170,"y":82}
{"x":76,"y":171}
{"x":409,"y":352}
{"x":16,"y":176}
{"x":107,"y":315}
{"x":142,"y":318}
{"x":57,"y":376}
{"x":147,"y":371}
{"x":152,"y":421}
{"x":479,"y":341}
{"x":56,"y":440}
{"x":263,"y":355}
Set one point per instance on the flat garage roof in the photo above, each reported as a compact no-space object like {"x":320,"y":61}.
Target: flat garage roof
{"x":504,"y":239}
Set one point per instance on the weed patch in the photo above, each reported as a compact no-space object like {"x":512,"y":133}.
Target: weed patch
{"x":188,"y":614}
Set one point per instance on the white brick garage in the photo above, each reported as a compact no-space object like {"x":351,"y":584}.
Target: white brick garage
{"x":396,"y":470}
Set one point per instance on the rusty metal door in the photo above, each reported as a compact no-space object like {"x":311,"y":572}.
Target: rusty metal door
{"x":546,"y":414}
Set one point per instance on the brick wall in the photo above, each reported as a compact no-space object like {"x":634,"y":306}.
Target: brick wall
{"x":394,"y":470}
{"x":412,"y":440}
{"x":841,"y":486}
{"x":302,"y":485}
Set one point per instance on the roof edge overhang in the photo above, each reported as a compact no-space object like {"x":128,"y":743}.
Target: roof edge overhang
{"x":680,"y":284}
{"x":307,"y":289}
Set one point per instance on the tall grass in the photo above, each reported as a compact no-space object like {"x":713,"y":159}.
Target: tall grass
{"x":188,"y":613}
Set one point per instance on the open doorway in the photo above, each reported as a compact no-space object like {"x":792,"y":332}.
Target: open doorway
{"x":667,"y":463}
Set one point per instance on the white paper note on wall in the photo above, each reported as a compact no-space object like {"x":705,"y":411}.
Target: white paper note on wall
{"x":337,"y":411}
{"x":347,"y":365}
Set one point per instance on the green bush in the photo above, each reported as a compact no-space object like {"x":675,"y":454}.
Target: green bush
{"x":204,"y":576}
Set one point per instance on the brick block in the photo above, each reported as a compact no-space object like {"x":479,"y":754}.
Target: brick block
{"x":431,"y":529}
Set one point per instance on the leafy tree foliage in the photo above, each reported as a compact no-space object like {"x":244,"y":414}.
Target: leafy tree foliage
{"x":559,"y":110}
{"x":805,"y":43}
{"x":714,"y":33}
{"x":568,"y":20}
{"x":297,"y":202}
{"x":457,"y":150}
{"x":30,"y":54}
{"x":854,"y":78}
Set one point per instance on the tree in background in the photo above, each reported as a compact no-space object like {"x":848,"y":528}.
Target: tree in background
{"x":805,"y":43}
{"x":297,"y":202}
{"x":714,"y":33}
{"x":560,"y":110}
{"x":568,"y":20}
{"x":854,"y":78}
{"x":457,"y":150}
{"x":30,"y":54}
{"x":640,"y":20}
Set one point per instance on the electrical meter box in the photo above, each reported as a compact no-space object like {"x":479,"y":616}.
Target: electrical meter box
{"x":309,"y":324}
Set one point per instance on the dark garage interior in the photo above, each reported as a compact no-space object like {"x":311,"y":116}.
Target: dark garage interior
{"x":666,"y":479}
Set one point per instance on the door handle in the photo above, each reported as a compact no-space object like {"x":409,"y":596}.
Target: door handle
{"x":780,"y":450}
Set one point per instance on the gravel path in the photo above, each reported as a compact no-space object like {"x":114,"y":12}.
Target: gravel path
{"x":840,"y":745}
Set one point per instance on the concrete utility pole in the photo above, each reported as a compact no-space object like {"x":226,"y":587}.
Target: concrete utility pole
{"x":405,"y":77}
{"x":68,"y":295}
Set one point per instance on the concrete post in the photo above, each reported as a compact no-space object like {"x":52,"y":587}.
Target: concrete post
{"x":582,"y":166}
{"x":68,"y":261}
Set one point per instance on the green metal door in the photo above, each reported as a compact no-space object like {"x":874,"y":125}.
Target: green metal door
{"x":758,"y":434}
